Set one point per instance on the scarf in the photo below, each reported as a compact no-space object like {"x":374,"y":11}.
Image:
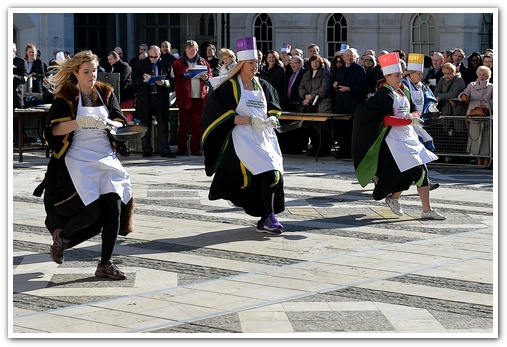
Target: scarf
{"x":192,"y":61}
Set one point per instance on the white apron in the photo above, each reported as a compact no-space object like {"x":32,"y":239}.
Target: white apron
{"x":92,"y":163}
{"x":417,"y":96}
{"x":403,"y":142}
{"x":257,"y":148}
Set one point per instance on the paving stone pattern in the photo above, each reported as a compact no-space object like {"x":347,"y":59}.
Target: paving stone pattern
{"x":344,"y":266}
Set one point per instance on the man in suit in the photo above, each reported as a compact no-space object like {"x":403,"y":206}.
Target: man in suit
{"x":153,"y":99}
{"x":291,"y":84}
{"x":143,"y":49}
{"x":118,"y":50}
{"x":117,"y":65}
{"x":20,"y":72}
{"x":165,"y":47}
{"x":457,"y":59}
{"x":313,"y":49}
{"x":295,"y":141}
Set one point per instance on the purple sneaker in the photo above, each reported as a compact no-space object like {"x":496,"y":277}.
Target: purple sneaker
{"x":272,"y":224}
{"x":262,"y":229}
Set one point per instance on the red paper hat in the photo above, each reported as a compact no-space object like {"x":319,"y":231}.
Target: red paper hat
{"x":390,"y":63}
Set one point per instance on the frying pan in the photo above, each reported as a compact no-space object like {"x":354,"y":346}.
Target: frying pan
{"x":431,"y":115}
{"x":432,"y":118}
{"x":432,"y":121}
{"x":289,"y":126}
{"x":128,"y":132}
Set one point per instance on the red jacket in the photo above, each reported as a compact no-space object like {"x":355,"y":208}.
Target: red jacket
{"x":182,"y":84}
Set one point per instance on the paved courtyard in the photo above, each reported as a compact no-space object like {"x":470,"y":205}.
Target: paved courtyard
{"x":345,"y":267}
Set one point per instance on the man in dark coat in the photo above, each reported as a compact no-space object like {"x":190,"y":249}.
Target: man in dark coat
{"x":153,"y":99}
{"x":351,"y":88}
{"x":165,"y":47}
{"x":435,"y":73}
{"x":116,"y":65}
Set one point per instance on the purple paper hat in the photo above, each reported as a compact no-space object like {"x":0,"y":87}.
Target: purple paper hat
{"x":285,"y":47}
{"x":246,"y":48}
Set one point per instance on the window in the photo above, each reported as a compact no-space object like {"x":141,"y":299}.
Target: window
{"x":211,"y":25}
{"x":263,"y":32}
{"x":423,"y":33}
{"x":158,"y":27}
{"x":202,"y":26}
{"x":336,"y":33}
{"x":91,"y":32}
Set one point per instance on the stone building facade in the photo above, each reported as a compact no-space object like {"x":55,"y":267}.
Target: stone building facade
{"x":101,"y":32}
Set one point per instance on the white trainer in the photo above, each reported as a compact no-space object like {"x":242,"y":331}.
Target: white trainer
{"x":432,"y":214}
{"x":394,"y":205}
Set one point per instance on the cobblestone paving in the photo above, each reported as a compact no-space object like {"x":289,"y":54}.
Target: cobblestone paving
{"x":344,"y":265}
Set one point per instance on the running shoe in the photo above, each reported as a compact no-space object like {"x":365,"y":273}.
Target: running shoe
{"x":110,"y":270}
{"x":394,"y":205}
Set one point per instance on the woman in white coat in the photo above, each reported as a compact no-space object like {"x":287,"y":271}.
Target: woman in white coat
{"x":477,"y":94}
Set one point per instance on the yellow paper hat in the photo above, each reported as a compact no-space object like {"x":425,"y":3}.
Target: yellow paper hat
{"x":415,"y":62}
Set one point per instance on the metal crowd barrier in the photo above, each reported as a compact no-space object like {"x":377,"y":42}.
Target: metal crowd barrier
{"x":452,"y":137}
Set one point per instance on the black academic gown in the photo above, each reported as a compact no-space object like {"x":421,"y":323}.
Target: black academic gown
{"x":370,"y":152}
{"x":232,"y":181}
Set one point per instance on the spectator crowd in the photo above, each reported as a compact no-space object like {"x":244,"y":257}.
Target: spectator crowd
{"x":308,"y":82}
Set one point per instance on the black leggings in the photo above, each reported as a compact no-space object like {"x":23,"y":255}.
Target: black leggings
{"x":107,"y":208}
{"x":269,"y":185}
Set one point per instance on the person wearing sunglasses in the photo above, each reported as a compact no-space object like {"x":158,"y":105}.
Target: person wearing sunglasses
{"x":153,"y":99}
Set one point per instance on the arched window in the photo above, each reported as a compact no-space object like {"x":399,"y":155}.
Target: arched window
{"x":423,"y":33}
{"x":202,"y":25}
{"x":263,"y":32}
{"x":336,"y":33}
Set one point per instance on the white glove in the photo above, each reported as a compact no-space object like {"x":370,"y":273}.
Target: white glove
{"x":408,"y":115}
{"x":257,"y":122}
{"x":114,"y":123}
{"x":91,"y":121}
{"x":417,"y":121}
{"x":272,"y":122}
{"x":433,"y":108}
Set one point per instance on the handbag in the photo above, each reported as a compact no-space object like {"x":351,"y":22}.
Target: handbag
{"x":476,"y":114}
{"x":311,"y":107}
